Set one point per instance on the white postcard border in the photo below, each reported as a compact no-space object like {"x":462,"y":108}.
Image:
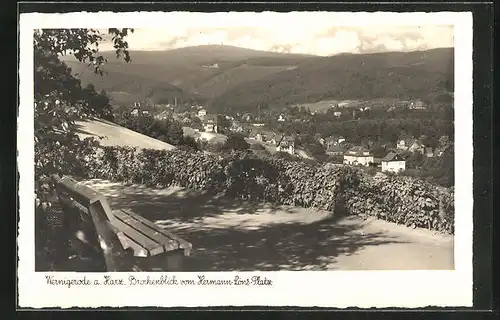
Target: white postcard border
{"x":304,"y":289}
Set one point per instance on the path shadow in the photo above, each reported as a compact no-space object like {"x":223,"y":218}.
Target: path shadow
{"x":290,"y":247}
{"x":179,"y":204}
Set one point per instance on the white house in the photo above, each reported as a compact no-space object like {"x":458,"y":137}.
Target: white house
{"x":137,"y":111}
{"x":428,"y":152}
{"x":358,"y":156}
{"x":417,"y":105}
{"x":286,"y":144}
{"x":404,"y":144}
{"x":202,"y":113}
{"x":281,"y":118}
{"x":210,"y":123}
{"x":393,"y":162}
{"x":337,"y":113}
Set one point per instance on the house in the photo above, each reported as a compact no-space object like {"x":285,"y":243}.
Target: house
{"x":236,"y":127}
{"x":246,"y":117}
{"x":411,"y":145}
{"x":202,"y":113}
{"x":210,"y":123}
{"x":319,"y":138}
{"x":417,"y":146}
{"x":376,"y":163}
{"x":337,"y":114}
{"x":393,"y":162}
{"x":358,"y":156}
{"x":137,"y":111}
{"x":286,"y":144}
{"x":256,"y":135}
{"x":258,"y":124}
{"x":281,"y":118}
{"x":417,"y":105}
{"x":163,"y":115}
{"x":428,"y":152}
{"x":334,"y":150}
{"x":402,"y":144}
{"x":211,"y":66}
{"x":334,"y":140}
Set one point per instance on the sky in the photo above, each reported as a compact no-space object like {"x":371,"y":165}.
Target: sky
{"x":296,"y":32}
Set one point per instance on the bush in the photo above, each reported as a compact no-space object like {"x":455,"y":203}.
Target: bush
{"x":403,"y":200}
{"x":236,"y":141}
{"x":169,"y":131}
{"x":257,"y":146}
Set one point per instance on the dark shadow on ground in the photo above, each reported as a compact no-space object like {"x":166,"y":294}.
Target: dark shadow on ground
{"x":182,"y":205}
{"x":278,"y":247}
{"x":267,"y":247}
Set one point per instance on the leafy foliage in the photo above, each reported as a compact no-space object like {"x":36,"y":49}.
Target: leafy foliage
{"x":59,"y":101}
{"x":408,"y":201}
{"x":236,"y":141}
{"x":167,"y":130}
{"x":404,"y":200}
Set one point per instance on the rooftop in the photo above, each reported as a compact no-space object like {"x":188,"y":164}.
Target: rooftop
{"x":392,"y":156}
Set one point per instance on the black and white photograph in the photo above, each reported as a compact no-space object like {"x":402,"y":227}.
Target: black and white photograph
{"x":228,"y":149}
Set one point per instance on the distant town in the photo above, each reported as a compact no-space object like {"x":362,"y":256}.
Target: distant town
{"x":266,"y":129}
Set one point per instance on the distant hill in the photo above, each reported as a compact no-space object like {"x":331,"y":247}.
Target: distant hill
{"x":231,"y":78}
{"x":122,"y":87}
{"x":412,"y":75}
{"x":199,"y":72}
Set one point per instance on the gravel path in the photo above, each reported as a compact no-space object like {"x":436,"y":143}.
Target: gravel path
{"x":229,"y":235}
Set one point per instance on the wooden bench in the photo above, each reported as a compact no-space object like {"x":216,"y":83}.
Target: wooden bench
{"x":116,"y":240}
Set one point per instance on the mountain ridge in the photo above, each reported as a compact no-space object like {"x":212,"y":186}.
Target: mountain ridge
{"x":244,"y":78}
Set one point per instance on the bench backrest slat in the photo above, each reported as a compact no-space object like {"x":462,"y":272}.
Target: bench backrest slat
{"x":83,"y":195}
{"x":111,"y":246}
{"x":94,"y":223}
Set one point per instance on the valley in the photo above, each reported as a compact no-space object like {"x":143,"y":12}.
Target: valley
{"x":229,"y":79}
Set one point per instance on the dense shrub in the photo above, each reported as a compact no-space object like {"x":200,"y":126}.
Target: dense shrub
{"x":404,"y":200}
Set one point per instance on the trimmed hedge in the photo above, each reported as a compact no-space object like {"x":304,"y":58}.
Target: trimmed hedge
{"x":402,"y":200}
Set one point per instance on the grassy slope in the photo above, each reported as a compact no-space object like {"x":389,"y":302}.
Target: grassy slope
{"x":118,"y":136}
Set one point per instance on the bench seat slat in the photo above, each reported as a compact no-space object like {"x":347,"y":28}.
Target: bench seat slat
{"x":153,"y":248}
{"x":139,"y":251}
{"x":168,"y":243}
{"x":183,"y":244}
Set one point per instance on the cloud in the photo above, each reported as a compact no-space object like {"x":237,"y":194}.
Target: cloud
{"x":306,"y":32}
